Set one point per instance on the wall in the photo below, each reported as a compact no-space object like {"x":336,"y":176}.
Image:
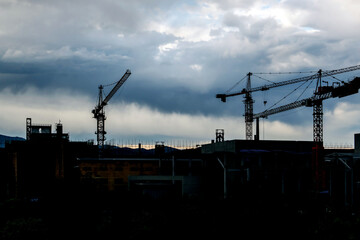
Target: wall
{"x":112,"y":175}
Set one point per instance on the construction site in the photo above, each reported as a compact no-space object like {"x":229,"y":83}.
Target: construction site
{"x":210,"y":189}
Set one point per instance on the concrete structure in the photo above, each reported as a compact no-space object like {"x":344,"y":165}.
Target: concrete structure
{"x":147,"y":175}
{"x":167,"y":186}
{"x":38,"y":166}
{"x":111,"y":174}
{"x":271,"y":169}
{"x":343,"y":175}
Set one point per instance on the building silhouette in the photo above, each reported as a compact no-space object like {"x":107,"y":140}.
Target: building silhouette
{"x":232,"y":169}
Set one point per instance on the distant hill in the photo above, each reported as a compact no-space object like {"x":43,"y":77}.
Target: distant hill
{"x":7,"y":139}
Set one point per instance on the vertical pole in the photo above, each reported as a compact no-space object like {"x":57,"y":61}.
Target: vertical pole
{"x":257,"y":135}
{"x":318,"y":83}
{"x":190,"y":167}
{"x":225,"y":179}
{"x":223,"y":165}
{"x":173,"y":169}
{"x":283,"y":182}
{"x":330,"y":183}
{"x":352,"y":187}
{"x":345,"y":190}
{"x":15,"y":165}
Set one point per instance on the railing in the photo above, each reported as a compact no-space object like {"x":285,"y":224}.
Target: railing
{"x":339,"y":146}
{"x":180,"y":144}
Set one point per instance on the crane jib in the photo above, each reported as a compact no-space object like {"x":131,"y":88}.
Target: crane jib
{"x":342,"y":91}
{"x":292,"y":81}
{"x":117,"y":86}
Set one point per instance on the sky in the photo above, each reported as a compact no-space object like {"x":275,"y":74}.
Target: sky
{"x":55,"y":54}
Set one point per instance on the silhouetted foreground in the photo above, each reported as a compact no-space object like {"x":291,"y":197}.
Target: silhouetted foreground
{"x":137,"y":217}
{"x":274,"y":189}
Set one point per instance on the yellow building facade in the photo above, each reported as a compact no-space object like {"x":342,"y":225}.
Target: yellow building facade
{"x":112,"y":174}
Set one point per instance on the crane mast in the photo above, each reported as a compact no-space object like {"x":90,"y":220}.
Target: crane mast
{"x":249,"y":103}
{"x":100,"y":120}
{"x":99,"y":112}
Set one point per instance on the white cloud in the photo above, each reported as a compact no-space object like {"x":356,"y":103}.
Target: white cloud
{"x":341,"y":123}
{"x":189,"y":23}
{"x":196,"y":67}
{"x":190,"y":33}
{"x":277,"y":130}
{"x":44,"y":107}
{"x":168,"y":47}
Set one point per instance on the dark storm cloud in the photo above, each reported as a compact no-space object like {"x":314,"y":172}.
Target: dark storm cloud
{"x":179,"y":99}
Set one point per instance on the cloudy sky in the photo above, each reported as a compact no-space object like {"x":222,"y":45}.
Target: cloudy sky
{"x":55,"y":54}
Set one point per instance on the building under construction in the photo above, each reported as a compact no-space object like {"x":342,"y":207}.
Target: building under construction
{"x":221,"y":169}
{"x":211,"y":190}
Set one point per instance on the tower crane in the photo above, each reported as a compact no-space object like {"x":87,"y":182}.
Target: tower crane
{"x":99,"y":112}
{"x":321,"y":93}
{"x":248,"y":100}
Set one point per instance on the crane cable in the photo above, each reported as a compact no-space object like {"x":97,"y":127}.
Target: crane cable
{"x":263,"y":78}
{"x":235,"y":84}
{"x":270,"y":73}
{"x":107,"y":85}
{"x":110,"y":84}
{"x":337,"y":79}
{"x":290,"y":92}
{"x":305,"y":89}
{"x":230,"y":89}
{"x":286,"y":96}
